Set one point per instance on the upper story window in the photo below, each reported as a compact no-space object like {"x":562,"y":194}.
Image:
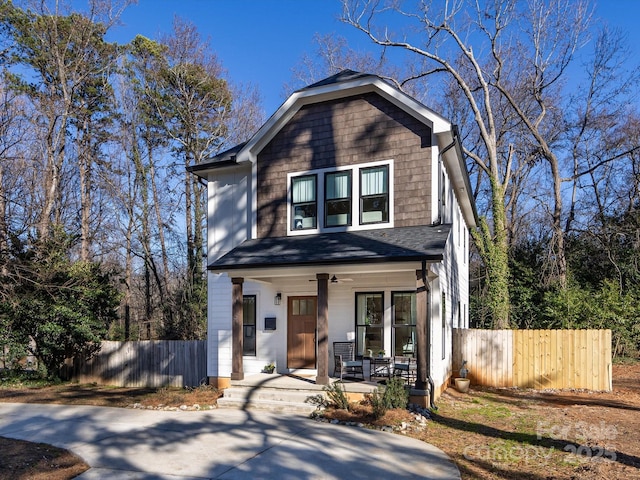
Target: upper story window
{"x":337,"y":198}
{"x":374,"y":194}
{"x":356,"y":197}
{"x":304,"y":202}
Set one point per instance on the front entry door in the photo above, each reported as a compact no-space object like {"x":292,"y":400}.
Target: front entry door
{"x":301,"y":332}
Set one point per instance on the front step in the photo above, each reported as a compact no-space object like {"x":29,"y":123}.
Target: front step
{"x":272,"y":399}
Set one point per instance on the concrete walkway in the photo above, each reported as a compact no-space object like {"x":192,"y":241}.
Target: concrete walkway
{"x":222,"y":444}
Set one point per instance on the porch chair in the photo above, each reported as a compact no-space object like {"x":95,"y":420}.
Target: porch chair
{"x":344,"y":356}
{"x":405,"y":368}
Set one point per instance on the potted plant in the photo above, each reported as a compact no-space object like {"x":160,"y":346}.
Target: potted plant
{"x":380,"y":353}
{"x":269,"y":367}
{"x":462,"y":382}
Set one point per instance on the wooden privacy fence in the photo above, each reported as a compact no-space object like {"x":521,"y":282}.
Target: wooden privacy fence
{"x":537,"y":359}
{"x":148,"y":363}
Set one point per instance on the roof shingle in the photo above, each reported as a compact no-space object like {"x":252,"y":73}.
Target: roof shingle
{"x":402,"y":244}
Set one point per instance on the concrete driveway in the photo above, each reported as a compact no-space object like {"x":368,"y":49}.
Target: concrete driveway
{"x":222,"y":444}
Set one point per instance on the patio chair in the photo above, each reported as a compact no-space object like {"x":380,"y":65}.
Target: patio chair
{"x":406,"y":368}
{"x":344,"y":355}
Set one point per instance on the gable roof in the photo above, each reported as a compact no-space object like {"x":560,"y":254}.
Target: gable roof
{"x":343,"y":76}
{"x":345,"y":84}
{"x":401,"y":244}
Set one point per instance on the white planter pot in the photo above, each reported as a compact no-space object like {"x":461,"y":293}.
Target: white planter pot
{"x":462,"y":384}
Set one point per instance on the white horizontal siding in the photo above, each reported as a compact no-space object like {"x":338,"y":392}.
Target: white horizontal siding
{"x":229,"y":213}
{"x":219,"y":325}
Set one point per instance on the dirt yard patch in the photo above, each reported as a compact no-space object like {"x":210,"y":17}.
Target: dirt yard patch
{"x":489,"y":433}
{"x":37,"y":461}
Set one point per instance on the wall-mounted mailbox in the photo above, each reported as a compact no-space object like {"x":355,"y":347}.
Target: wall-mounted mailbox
{"x":269,"y":323}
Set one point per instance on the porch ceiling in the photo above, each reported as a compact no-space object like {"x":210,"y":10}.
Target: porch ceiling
{"x":389,"y":249}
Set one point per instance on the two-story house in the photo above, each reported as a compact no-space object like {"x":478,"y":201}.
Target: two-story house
{"x":345,"y":217}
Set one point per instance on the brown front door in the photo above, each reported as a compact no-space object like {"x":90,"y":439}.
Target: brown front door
{"x":301,"y":332}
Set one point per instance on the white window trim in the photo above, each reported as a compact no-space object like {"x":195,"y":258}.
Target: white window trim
{"x":355,"y":199}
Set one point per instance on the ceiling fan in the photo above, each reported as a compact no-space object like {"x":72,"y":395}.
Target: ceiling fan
{"x":335,"y":279}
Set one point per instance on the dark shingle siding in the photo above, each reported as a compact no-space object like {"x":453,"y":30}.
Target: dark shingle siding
{"x":348,"y":131}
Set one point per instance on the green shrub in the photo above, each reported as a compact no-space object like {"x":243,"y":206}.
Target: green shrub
{"x":378,"y":403}
{"x":337,"y":396}
{"x":395,"y":394}
{"x":58,"y":308}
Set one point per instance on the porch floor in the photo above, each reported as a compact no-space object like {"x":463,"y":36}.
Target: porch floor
{"x":298,"y":382}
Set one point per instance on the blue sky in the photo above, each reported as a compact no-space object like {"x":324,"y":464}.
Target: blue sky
{"x":260,"y":41}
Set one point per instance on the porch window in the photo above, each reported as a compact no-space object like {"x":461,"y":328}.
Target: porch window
{"x":249,"y":325}
{"x":337,"y":199}
{"x":374,"y":194}
{"x":304,"y":202}
{"x":404,"y":313}
{"x":369,"y":323}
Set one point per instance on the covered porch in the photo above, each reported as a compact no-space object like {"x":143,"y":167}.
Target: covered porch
{"x":314,"y":266}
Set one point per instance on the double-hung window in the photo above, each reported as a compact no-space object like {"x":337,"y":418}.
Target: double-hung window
{"x":348,"y":197}
{"x":374,"y":194}
{"x":404,"y":312}
{"x":304,"y":202}
{"x":369,"y":323}
{"x":337,"y":207}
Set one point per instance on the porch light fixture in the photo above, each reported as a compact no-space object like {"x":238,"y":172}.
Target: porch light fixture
{"x":334,"y":279}
{"x":277,"y":299}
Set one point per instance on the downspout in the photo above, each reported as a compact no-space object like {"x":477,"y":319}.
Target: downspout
{"x":432,"y":387}
{"x":454,"y":131}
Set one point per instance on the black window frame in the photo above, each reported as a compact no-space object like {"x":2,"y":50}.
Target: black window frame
{"x":248,"y":327}
{"x":366,"y":198}
{"x":371,"y":330}
{"x":328,"y":201}
{"x":295,"y":205}
{"x":412,"y":326}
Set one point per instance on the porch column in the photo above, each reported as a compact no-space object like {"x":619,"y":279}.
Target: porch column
{"x":237,"y":371}
{"x":422,"y":323}
{"x":322,"y":377}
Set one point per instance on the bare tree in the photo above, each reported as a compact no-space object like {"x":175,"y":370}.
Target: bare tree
{"x":333,"y":55}
{"x":509,"y":61}
{"x":12,"y":132}
{"x":246,"y":115}
{"x":184,"y":99}
{"x":444,"y":49}
{"x":64,"y":55}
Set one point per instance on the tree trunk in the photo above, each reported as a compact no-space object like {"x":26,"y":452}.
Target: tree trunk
{"x":494,"y":250}
{"x":160,"y":223}
{"x":4,"y":233}
{"x":84,"y":168}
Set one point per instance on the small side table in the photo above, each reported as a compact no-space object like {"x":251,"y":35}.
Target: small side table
{"x":381,"y":367}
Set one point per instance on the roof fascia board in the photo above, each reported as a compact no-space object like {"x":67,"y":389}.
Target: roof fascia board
{"x":453,"y":159}
{"x":306,"y":270}
{"x":203,"y":170}
{"x":329,"y":263}
{"x":218,"y":168}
